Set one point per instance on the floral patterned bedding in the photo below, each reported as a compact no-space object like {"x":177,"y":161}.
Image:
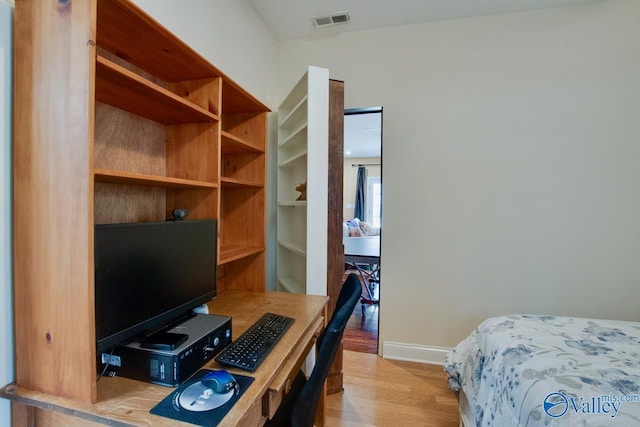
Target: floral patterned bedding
{"x":528,"y":370}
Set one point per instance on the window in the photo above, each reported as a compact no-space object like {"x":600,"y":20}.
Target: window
{"x":374,"y":200}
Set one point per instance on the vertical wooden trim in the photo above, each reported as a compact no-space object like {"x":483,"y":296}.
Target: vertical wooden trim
{"x":53,"y":197}
{"x":335,"y":251}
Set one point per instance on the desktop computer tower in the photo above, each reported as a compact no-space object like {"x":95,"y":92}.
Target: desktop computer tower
{"x":207,"y":336}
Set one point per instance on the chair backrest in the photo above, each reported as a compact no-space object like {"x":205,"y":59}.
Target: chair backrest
{"x":306,"y":406}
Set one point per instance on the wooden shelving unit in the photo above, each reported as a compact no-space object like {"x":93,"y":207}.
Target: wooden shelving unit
{"x":118,"y":120}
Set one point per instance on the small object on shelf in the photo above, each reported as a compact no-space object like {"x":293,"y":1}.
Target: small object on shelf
{"x":302,"y":188}
{"x":180,"y":214}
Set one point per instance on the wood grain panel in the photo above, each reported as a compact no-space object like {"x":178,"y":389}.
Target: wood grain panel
{"x":246,"y":273}
{"x":242,"y":217}
{"x":202,"y":204}
{"x":335,"y":250}
{"x":192,"y":151}
{"x":53,"y":204}
{"x":205,"y":93}
{"x":116,"y":203}
{"x":251,"y":127}
{"x":246,"y":167}
{"x":124,"y":141}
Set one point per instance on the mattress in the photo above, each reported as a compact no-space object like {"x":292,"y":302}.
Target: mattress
{"x":531,"y":370}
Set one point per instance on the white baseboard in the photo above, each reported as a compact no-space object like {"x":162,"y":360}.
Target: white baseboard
{"x":414,"y":352}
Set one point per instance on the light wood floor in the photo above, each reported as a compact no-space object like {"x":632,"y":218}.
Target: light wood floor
{"x":380,"y":392}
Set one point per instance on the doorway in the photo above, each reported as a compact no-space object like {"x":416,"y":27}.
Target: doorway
{"x":362,"y":216}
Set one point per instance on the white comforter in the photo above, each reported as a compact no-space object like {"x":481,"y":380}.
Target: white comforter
{"x":525,"y":370}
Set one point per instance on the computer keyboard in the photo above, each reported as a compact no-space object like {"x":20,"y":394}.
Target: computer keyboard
{"x":249,"y":349}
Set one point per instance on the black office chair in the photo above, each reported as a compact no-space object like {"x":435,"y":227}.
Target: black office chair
{"x":301,"y":403}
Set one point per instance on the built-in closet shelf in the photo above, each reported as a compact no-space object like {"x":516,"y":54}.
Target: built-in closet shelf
{"x":121,"y":88}
{"x":290,"y":160}
{"x":293,"y":203}
{"x":290,"y":284}
{"x":234,"y":253}
{"x":297,"y":113}
{"x":302,"y":151}
{"x":232,"y":144}
{"x":132,"y":178}
{"x":233,"y":182}
{"x":294,"y":134}
{"x":294,"y":247}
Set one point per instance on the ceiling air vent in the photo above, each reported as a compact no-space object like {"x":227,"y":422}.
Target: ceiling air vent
{"x":331,"y":19}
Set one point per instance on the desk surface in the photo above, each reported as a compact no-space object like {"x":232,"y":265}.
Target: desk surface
{"x":122,"y":401}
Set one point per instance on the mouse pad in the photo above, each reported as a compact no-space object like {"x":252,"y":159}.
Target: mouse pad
{"x":194,"y":403}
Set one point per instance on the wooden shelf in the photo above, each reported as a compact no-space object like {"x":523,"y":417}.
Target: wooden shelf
{"x":232,"y":182}
{"x":232,"y":144}
{"x":128,"y":32}
{"x":132,"y":178}
{"x":124,"y":89}
{"x":233,"y":253}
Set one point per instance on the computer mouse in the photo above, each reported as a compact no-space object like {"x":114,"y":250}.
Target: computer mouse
{"x":220,"y":381}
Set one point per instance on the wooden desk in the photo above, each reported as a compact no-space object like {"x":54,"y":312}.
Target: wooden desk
{"x":125,"y":402}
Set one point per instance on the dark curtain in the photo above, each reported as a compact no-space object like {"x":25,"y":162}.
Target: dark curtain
{"x":359,"y":209}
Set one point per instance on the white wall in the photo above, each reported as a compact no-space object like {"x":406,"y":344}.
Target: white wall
{"x":233,"y":38}
{"x":6,"y":264}
{"x":511,"y":178}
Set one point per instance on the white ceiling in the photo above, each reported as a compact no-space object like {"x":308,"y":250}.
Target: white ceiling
{"x":362,"y":135}
{"x":291,"y":19}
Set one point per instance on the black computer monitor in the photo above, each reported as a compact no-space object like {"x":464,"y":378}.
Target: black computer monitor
{"x":150,"y":274}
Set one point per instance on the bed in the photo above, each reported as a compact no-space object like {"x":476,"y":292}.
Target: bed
{"x":531,"y":370}
{"x":356,"y":228}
